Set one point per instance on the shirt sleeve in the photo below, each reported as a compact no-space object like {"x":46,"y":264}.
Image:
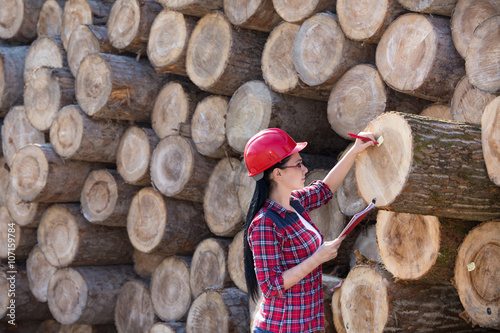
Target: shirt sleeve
{"x":314,"y":195}
{"x":266,"y":254}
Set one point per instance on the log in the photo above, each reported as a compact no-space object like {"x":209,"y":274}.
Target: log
{"x":134,"y":154}
{"x":483,"y":72}
{"x":254,"y":107}
{"x":337,"y":313}
{"x":324,"y":66}
{"x":19,"y":19}
{"x":245,"y":188}
{"x":438,"y":110}
{"x":174,"y":107}
{"x":255,"y":14}
{"x":208,"y":127}
{"x":66,"y":238}
{"x":25,"y":213}
{"x":87,"y":295}
{"x":165,"y":226}
{"x":106,"y":198}
{"x":468,"y":102}
{"x":134,"y":310}
{"x":16,"y":242}
{"x":45,"y":93}
{"x":414,"y":178}
{"x":426,"y":65}
{"x":170,"y":289}
{"x":45,"y":51}
{"x":361,"y":95}
{"x":17,"y":132}
{"x":367,"y":21}
{"x":39,"y":271}
{"x":466,"y":17}
{"x":297,"y":11}
{"x":192,"y":7}
{"x":235,"y":264}
{"x":116,"y":87}
{"x":438,"y":7}
{"x":168,"y":41}
{"x":477,"y":260}
{"x":171,"y":327}
{"x":220,"y":57}
{"x":4,"y":181}
{"x":329,"y":284}
{"x":76,"y":136}
{"x":129,"y":24}
{"x":178,"y":170}
{"x":83,"y":328}
{"x":221,"y":210}
{"x":146,"y":263}
{"x":39,"y":174}
{"x":11,"y":77}
{"x":490,"y":139}
{"x":366,"y":245}
{"x":420,"y":247}
{"x":223,"y":310}
{"x":50,"y":18}
{"x":49,"y":326}
{"x":209,"y":266}
{"x":78,"y":12}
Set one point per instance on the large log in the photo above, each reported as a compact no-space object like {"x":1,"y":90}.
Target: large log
{"x":254,"y":107}
{"x":245,"y":189}
{"x":299,"y":10}
{"x":39,"y":271}
{"x":437,"y":110}
{"x":129,"y":24}
{"x":105,"y":198}
{"x":168,"y":41}
{"x":235,"y":263}
{"x":367,"y":21}
{"x":193,"y":7}
{"x":178,"y":170}
{"x":439,"y":7}
{"x":161,"y":225}
{"x":16,"y":242}
{"x":134,"y":310}
{"x":116,"y":87}
{"x":490,"y":138}
{"x":45,"y":93}
{"x":50,"y":18}
{"x":18,"y":20}
{"x":76,"y":136}
{"x":220,"y":57}
{"x":482,"y":69}
{"x":134,"y":155}
{"x":224,"y":311}
{"x":46,"y":51}
{"x":478,"y":259}
{"x":11,"y":77}
{"x":324,"y":65}
{"x":66,"y":238}
{"x":39,"y":174}
{"x":427,"y":166}
{"x":25,"y":213}
{"x":426,"y":65}
{"x":87,"y":294}
{"x":468,"y":102}
{"x":253,"y":14}
{"x":170,"y":289}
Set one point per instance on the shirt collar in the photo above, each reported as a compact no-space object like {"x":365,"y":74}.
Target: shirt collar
{"x":294,"y":202}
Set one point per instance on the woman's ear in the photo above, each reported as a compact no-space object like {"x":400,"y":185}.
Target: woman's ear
{"x":276,"y":174}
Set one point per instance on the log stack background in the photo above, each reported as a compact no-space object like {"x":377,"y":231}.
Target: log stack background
{"x":123,"y":127}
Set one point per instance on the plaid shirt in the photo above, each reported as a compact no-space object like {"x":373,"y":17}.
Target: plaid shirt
{"x":279,"y":241}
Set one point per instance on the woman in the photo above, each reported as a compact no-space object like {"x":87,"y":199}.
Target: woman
{"x":283,"y":249}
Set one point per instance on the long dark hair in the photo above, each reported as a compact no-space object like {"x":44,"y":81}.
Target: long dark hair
{"x":260,"y":194}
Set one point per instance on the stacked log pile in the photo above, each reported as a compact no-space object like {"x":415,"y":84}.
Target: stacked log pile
{"x":122,"y":185}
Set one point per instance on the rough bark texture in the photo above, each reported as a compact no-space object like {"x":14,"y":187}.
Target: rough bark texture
{"x":134,"y":310}
{"x":45,"y":51}
{"x":193,"y":7}
{"x":252,"y":14}
{"x":299,"y":10}
{"x":19,"y":19}
{"x":468,"y":103}
{"x":11,"y":77}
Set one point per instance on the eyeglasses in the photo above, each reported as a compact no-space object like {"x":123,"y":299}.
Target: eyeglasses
{"x":298,"y":166}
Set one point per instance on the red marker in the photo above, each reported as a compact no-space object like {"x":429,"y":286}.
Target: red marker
{"x":361,"y":137}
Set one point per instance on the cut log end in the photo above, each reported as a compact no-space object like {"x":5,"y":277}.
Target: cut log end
{"x":82,"y":42}
{"x":490,"y":137}
{"x":29,"y":172}
{"x":40,"y":271}
{"x":123,"y":22}
{"x":171,"y":108}
{"x":11,"y":19}
{"x":99,"y":196}
{"x":66,"y":131}
{"x":75,"y":12}
{"x":67,"y":295}
{"x":134,"y":310}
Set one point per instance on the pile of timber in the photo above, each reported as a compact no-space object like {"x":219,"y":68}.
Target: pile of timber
{"x":123,"y":189}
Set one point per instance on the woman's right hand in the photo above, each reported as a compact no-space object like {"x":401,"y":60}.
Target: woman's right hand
{"x":328,"y":250}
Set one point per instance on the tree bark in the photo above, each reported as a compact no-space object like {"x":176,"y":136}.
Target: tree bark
{"x":407,"y":173}
{"x":235,"y":264}
{"x":168,"y":41}
{"x":87,"y":295}
{"x":76,"y":136}
{"x":170,"y":290}
{"x":220,"y":57}
{"x":468,"y":103}
{"x":46,"y":51}
{"x":178,"y":170}
{"x":324,"y":66}
{"x":134,"y":155}
{"x":105,"y":198}
{"x":19,"y":19}
{"x":4,"y":182}
{"x":490,"y":139}
{"x":26,"y":214}
{"x":223,"y":310}
{"x":254,"y":107}
{"x":129,"y":24}
{"x":170,"y":327}
{"x":15,"y":241}
{"x":438,"y":110}
{"x":46,"y":92}
{"x":426,"y":65}
{"x":438,"y":7}
{"x":50,"y":18}
{"x":193,"y":7}
{"x":146,"y":263}
{"x":11,"y":77}
{"x":39,"y":271}
{"x":68,"y":239}
{"x":166,"y":226}
{"x":253,"y":14}
{"x":482,"y":70}
{"x":296,"y":11}
{"x":134,"y":310}
{"x":39,"y":174}
{"x":116,"y":87}
{"x":477,"y":258}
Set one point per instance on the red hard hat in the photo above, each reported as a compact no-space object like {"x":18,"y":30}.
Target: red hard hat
{"x":267,"y":148}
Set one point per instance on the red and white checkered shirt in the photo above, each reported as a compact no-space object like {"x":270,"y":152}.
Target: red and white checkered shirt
{"x":279,"y":241}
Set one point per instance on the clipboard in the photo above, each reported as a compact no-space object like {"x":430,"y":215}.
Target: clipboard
{"x":356,"y":219}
